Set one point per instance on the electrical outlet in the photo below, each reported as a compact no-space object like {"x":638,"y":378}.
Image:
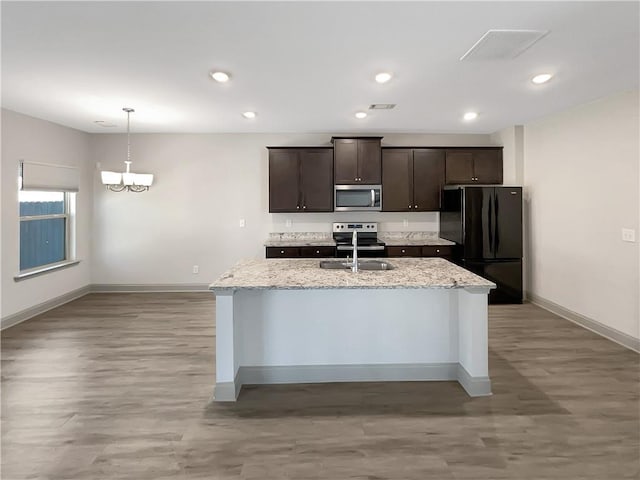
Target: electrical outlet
{"x":628,"y":235}
{"x":242,"y":223}
{"x":287,"y":223}
{"x":196,"y":269}
{"x":405,"y":223}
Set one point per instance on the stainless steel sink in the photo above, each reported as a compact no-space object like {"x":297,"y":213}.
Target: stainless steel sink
{"x":362,"y":265}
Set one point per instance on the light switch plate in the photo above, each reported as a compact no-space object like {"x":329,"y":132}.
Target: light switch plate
{"x":242,"y":223}
{"x":405,"y":223}
{"x":628,"y":235}
{"x":287,"y":222}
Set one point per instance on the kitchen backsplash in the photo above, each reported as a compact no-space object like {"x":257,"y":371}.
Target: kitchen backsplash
{"x":387,"y":221}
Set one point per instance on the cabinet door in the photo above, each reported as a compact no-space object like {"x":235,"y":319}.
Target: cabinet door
{"x":397,"y":180}
{"x":487,"y":166}
{"x":428,"y":179}
{"x":409,"y":251}
{"x":284,"y":172}
{"x":345,"y":155}
{"x":369,"y":163}
{"x":316,"y":179}
{"x":311,"y":252}
{"x":283,"y":252}
{"x":459,"y":167}
{"x":437,"y":251}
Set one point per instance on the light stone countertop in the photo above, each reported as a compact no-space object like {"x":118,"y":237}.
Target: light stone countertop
{"x":413,"y":238}
{"x":319,"y":239}
{"x":300,"y":239}
{"x":302,"y":274}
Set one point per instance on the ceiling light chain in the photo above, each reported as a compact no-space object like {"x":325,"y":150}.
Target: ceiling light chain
{"x":127,"y":181}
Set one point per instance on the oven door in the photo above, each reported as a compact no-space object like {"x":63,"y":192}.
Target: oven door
{"x":363,"y":251}
{"x":357,"y":198}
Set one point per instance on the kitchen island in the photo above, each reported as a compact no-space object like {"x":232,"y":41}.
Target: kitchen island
{"x":289,"y":321}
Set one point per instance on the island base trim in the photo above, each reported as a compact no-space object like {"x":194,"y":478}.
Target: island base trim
{"x":474,"y":386}
{"x":282,"y":374}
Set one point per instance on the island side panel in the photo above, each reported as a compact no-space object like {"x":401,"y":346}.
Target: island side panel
{"x":473,"y":338}
{"x":226,"y":388}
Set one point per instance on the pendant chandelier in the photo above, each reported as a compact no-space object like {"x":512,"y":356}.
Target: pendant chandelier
{"x":127,"y":181}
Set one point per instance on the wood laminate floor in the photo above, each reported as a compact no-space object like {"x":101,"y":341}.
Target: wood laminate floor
{"x":116,"y":386}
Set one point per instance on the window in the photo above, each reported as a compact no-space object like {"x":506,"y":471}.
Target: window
{"x":47,"y":198}
{"x":45,"y":228}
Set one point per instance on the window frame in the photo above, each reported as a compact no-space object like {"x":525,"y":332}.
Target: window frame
{"x":69,"y":216}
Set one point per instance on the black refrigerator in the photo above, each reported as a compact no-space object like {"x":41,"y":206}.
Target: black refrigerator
{"x":485,"y":222}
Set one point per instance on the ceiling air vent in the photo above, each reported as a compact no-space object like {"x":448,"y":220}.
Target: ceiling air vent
{"x":105,"y":124}
{"x":382,"y":106}
{"x":503,"y":44}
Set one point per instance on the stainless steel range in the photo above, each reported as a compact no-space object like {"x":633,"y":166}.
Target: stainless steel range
{"x":368,"y":243}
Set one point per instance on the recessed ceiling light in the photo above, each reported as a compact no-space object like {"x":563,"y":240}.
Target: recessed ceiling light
{"x":249,"y":114}
{"x":361,"y":115}
{"x":220,"y":76}
{"x":470,"y":116}
{"x":383,"y":77}
{"x":542,"y":78}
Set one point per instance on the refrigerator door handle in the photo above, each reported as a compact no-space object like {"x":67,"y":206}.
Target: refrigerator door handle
{"x":490,"y":222}
{"x":497,"y":230}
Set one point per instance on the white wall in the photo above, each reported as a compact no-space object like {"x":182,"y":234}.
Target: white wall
{"x":582,"y":182}
{"x":204,"y":185}
{"x":32,"y":139}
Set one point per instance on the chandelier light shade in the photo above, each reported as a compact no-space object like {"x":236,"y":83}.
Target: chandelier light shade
{"x":127,"y":180}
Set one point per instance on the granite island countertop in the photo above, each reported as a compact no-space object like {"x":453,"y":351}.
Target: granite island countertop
{"x":302,"y":274}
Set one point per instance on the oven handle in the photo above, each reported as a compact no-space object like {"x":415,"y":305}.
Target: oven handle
{"x":373,"y":198}
{"x":350,"y":247}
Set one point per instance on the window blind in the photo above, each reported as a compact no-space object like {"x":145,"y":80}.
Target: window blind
{"x":44,"y":176}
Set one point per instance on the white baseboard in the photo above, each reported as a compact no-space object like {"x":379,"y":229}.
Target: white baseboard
{"x":26,"y":314}
{"x":269,"y":375}
{"x":609,"y":333}
{"x":157,"y":287}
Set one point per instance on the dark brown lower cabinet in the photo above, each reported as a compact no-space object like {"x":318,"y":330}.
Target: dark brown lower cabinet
{"x":420,"y":251}
{"x":283,"y":252}
{"x":300,"y":252}
{"x":437,"y":251}
{"x":412,"y":251}
{"x":311,"y":252}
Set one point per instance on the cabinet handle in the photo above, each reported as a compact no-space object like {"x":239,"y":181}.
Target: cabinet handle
{"x":282,"y":252}
{"x":437,"y":250}
{"x":409,"y":206}
{"x":318,"y":251}
{"x":304,"y":208}
{"x":403,"y":251}
{"x":415,"y":206}
{"x":297,"y":207}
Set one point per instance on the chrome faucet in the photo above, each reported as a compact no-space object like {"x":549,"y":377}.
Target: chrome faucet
{"x":354,"y":241}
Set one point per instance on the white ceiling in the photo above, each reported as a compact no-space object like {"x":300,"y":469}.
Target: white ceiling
{"x":307,"y":66}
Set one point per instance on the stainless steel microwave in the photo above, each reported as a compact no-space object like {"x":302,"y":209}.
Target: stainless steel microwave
{"x":358,"y":198}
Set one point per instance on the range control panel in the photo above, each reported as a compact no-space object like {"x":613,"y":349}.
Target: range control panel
{"x":371,"y":227}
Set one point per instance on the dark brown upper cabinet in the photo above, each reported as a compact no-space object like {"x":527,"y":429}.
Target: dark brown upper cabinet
{"x":300,"y":180}
{"x":412,"y":179}
{"x":474,"y":165}
{"x":357,"y":160}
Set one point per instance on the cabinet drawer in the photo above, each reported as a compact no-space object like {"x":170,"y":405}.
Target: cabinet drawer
{"x":437,"y":251}
{"x":310,"y":252}
{"x":404,"y":251}
{"x":283,"y":252}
